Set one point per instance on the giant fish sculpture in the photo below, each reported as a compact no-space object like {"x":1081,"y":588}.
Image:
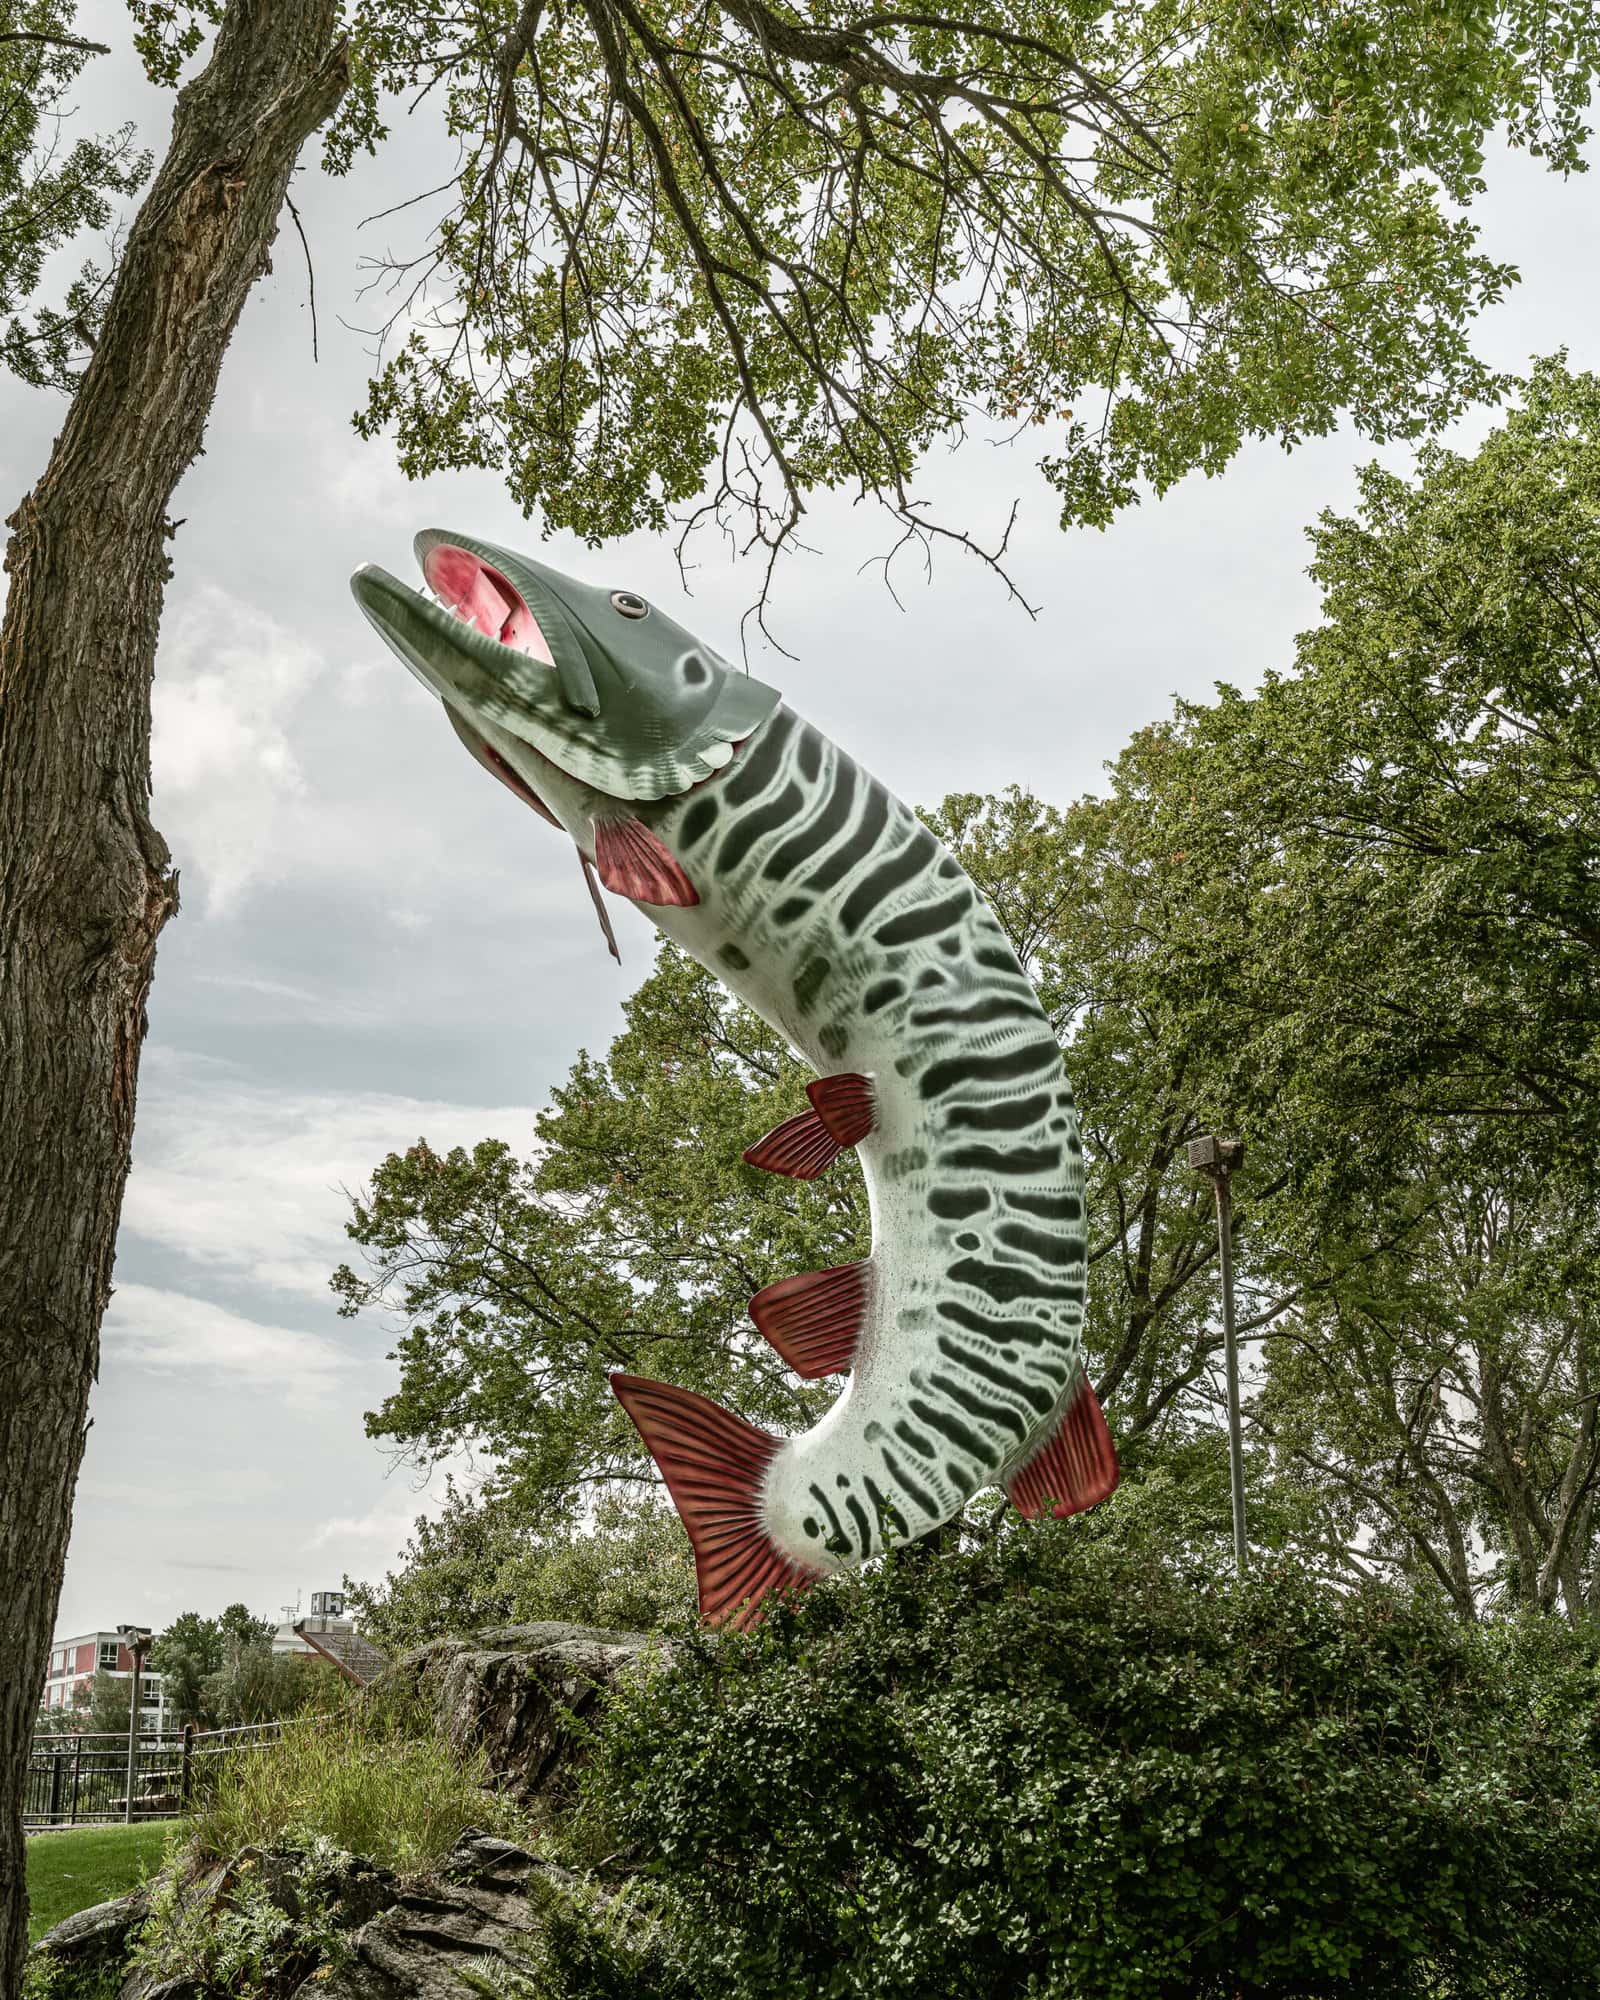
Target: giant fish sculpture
{"x":828,"y":907}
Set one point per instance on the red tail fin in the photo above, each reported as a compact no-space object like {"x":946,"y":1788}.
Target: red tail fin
{"x":1075,"y":1470}
{"x":714,"y":1464}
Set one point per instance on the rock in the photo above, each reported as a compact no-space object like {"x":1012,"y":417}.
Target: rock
{"x":471,"y":1915}
{"x":527,"y":1695}
{"x":96,"y":1936}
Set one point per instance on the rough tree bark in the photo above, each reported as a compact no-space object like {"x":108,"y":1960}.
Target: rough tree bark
{"x":85,"y":880}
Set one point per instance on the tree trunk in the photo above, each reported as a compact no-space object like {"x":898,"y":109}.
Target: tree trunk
{"x":85,"y":883}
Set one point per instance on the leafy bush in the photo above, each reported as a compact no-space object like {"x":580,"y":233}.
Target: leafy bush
{"x":245,"y":1939}
{"x":485,"y":1561}
{"x":372,"y":1777}
{"x":1057,"y":1768}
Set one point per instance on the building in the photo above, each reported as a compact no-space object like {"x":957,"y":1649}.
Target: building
{"x":74,"y":1663}
{"x":329,"y":1635}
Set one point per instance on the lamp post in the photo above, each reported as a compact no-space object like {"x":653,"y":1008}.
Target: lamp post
{"x":1216,"y":1158}
{"x":137,"y":1641}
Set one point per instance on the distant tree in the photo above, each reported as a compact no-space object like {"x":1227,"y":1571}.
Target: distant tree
{"x":215,"y":1669}
{"x":480,"y":1562}
{"x":184,"y":1654}
{"x":254,"y":1684}
{"x":104,"y":1702}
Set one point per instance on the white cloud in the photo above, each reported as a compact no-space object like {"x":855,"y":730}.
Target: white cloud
{"x":172,"y":1332}
{"x":248,"y":1182}
{"x":226,"y":774}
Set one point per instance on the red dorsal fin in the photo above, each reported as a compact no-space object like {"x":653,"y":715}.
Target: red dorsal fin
{"x":633,"y":863}
{"x":842,"y":1115}
{"x":714,"y":1464}
{"x":1077,"y":1468}
{"x":814,"y":1319}
{"x":600,"y":909}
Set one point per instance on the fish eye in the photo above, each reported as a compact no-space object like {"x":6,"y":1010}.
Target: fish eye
{"x":628,"y":604}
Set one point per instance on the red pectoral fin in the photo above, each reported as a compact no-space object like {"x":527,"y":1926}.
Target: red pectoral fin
{"x":814,"y":1319}
{"x":842,"y":1115}
{"x":1075,"y":1469}
{"x":633,"y":863}
{"x":714,"y":1464}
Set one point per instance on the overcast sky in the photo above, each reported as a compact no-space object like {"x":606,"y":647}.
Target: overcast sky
{"x":377,"y":943}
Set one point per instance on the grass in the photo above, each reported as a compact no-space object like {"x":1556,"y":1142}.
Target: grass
{"x":380,"y":1784}
{"x":84,"y":1865}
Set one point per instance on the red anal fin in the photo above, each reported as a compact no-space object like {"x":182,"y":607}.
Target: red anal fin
{"x":842,"y":1114}
{"x":633,"y":863}
{"x":814,"y":1319}
{"x":1076,"y":1469}
{"x":714,"y":1464}
{"x":600,"y":909}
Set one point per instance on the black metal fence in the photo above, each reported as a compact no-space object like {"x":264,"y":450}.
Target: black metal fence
{"x":81,"y":1780}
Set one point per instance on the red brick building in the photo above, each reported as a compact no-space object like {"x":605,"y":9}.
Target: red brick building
{"x":73,"y":1663}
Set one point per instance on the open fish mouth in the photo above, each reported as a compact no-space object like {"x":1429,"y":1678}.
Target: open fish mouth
{"x":481,"y":597}
{"x":475,"y":638}
{"x":610,"y":690}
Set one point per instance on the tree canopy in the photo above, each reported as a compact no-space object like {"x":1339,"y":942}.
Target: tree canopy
{"x":718,"y":257}
{"x":52,"y":188}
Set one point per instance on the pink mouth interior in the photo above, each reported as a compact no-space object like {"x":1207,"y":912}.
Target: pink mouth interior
{"x":481,"y":596}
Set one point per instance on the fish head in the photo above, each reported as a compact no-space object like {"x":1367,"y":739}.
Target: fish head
{"x":599,"y":682}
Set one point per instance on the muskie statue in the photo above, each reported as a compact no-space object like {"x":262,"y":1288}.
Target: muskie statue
{"x":827,"y":906}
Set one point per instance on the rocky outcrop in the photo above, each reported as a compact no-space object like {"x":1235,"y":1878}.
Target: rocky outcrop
{"x":475,"y":1913}
{"x":527,"y":1695}
{"x":91,"y":1939}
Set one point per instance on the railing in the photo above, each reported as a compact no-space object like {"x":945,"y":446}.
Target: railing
{"x":82,"y":1780}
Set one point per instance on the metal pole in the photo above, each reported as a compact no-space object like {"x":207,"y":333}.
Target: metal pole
{"x":1216,"y":1158}
{"x":1230,"y":1351}
{"x":136,"y":1642}
{"x":186,"y":1783}
{"x":133,"y":1744}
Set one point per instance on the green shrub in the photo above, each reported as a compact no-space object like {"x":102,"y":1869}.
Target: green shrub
{"x":241,"y":1938}
{"x":371,"y":1777}
{"x":1054,"y":1768}
{"x":486,"y":1561}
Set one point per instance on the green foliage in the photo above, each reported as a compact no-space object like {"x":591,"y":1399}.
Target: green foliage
{"x":1051,"y":1768}
{"x":1374,"y":910}
{"x":46,"y":1977}
{"x":1410,"y":816}
{"x":222,"y":1671}
{"x":481,"y":1562}
{"x":106,"y":1708}
{"x":774,"y":248}
{"x":51,"y":192}
{"x":372,"y":1777}
{"x":244,"y":1936}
